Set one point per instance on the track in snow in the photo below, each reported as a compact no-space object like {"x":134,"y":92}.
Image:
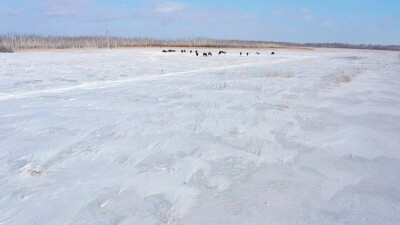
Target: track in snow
{"x":113,"y":83}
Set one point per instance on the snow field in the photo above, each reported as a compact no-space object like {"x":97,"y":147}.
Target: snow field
{"x":136,"y":136}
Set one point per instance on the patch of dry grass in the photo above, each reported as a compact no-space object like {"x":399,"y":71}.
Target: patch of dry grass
{"x":345,"y":77}
{"x":285,"y":75}
{"x":5,"y":49}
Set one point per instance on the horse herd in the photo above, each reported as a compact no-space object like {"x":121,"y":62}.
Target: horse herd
{"x":206,"y":54}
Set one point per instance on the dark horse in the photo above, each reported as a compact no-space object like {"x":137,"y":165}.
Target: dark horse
{"x":210,"y":54}
{"x":205,"y":54}
{"x":164,"y":51}
{"x":222,"y":52}
{"x":272,"y":53}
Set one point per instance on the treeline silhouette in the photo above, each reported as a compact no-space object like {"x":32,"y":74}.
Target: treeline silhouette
{"x":11,"y":43}
{"x":352,"y":46}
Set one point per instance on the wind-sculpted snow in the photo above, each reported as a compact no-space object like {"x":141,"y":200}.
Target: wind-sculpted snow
{"x":136,"y":136}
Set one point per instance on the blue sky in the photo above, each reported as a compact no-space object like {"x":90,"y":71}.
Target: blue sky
{"x":349,"y":21}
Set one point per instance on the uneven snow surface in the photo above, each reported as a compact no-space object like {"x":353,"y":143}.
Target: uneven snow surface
{"x":138,"y":137}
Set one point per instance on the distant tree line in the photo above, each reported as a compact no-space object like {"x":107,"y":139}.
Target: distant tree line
{"x":352,"y":46}
{"x":10,"y":43}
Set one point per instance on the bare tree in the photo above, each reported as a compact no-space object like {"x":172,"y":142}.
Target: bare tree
{"x":11,"y":43}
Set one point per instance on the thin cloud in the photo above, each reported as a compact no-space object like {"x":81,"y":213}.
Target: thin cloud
{"x":290,"y":10}
{"x":173,"y":11}
{"x":169,"y":7}
{"x":10,"y":11}
{"x":166,"y":11}
{"x":298,"y":13}
{"x":66,"y":7}
{"x":111,"y":16}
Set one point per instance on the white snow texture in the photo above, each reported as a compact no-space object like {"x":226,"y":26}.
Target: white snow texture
{"x":140,"y":137}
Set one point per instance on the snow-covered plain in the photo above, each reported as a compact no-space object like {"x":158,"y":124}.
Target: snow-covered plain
{"x":135,"y":136}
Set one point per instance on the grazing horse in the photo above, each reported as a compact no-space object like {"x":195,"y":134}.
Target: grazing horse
{"x":164,"y":51}
{"x":272,"y":53}
{"x":241,"y":53}
{"x":171,"y":50}
{"x":210,"y":54}
{"x":205,"y":54}
{"x":222,"y":52}
{"x":257,"y":53}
